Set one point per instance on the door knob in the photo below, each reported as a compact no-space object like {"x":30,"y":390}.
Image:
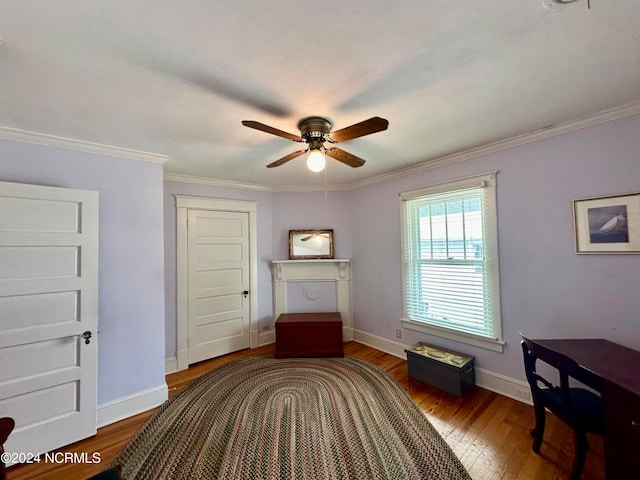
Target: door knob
{"x":87,"y":337}
{"x":245,"y":293}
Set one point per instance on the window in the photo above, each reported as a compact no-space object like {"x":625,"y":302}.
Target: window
{"x":450,"y":261}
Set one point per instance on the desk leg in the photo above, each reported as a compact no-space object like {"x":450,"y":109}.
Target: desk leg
{"x":622,"y":432}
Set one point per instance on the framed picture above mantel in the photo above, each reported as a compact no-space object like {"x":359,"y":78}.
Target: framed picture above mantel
{"x":310,"y":244}
{"x":607,"y":224}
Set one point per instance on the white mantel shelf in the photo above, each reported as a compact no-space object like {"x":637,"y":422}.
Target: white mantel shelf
{"x":322,"y":269}
{"x":314,"y":260}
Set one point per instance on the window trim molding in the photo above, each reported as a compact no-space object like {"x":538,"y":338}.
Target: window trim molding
{"x":487,"y":180}
{"x":496,"y":345}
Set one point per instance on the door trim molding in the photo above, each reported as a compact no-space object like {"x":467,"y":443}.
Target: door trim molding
{"x":183,"y":205}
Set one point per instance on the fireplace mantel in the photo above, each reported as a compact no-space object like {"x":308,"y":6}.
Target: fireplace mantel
{"x":321,"y":270}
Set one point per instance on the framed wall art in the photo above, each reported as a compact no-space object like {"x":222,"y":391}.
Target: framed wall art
{"x":607,"y":224}
{"x":309,"y":244}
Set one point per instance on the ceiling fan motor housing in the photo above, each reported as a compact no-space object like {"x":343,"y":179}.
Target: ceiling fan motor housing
{"x":314,"y":129}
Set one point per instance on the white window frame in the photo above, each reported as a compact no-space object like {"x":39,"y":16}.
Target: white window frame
{"x":490,"y":233}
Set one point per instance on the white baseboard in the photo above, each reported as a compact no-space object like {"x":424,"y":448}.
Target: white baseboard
{"x":266,"y":338}
{"x":126,"y":407}
{"x":492,"y":381}
{"x":507,"y":386}
{"x":183,"y":360}
{"x":383,"y":344}
{"x":170,"y":365}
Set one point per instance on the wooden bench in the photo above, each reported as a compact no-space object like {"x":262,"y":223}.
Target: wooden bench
{"x":309,"y":335}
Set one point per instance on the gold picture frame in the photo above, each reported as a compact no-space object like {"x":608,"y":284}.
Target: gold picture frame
{"x":310,"y":244}
{"x":607,"y":224}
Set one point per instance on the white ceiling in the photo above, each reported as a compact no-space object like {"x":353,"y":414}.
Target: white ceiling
{"x":177,"y":78}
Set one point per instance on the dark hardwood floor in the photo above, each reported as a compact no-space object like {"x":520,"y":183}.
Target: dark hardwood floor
{"x":488,"y":432}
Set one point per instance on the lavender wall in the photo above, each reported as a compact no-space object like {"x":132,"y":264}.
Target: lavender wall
{"x":547,"y":290}
{"x":131,"y":267}
{"x":264,"y":221}
{"x":312,"y":210}
{"x":277,"y":214}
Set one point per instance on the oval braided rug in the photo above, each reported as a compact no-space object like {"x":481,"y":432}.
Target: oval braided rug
{"x":295,"y":418}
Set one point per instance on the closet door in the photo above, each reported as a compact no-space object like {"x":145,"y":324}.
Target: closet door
{"x":48,"y":314}
{"x":218,"y":285}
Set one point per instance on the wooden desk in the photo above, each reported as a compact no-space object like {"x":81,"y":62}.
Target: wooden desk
{"x":614,"y":371}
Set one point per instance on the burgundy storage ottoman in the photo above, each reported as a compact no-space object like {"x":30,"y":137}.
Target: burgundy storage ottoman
{"x":309,"y":335}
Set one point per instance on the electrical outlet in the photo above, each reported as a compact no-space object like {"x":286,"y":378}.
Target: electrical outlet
{"x":523,"y":393}
{"x":398,"y":333}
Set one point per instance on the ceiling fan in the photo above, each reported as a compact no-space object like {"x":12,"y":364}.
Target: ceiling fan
{"x":315,"y":132}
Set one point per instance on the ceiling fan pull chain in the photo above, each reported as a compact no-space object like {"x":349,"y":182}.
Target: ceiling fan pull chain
{"x":325,"y":183}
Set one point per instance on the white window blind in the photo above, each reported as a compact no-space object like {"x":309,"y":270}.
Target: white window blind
{"x":451,"y":283}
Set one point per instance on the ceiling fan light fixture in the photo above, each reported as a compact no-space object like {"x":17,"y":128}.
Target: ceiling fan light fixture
{"x":315,"y":131}
{"x":316,"y":161}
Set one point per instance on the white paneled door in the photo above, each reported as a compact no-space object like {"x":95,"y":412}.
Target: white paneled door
{"x":48,"y":314}
{"x":218,"y":283}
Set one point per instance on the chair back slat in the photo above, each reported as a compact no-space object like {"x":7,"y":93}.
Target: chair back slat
{"x":563,"y":364}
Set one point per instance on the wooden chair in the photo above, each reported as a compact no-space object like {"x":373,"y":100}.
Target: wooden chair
{"x":579,"y":408}
{"x":6,"y":427}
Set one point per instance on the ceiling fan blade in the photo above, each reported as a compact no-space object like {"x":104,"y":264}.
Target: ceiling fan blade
{"x":344,"y":157}
{"x":274,"y":131}
{"x":203,"y":73}
{"x":366,"y":127}
{"x":286,"y":158}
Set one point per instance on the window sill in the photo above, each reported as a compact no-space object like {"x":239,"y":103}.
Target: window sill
{"x":487,"y":343}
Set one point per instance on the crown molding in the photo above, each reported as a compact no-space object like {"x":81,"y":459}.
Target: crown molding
{"x":178,"y":177}
{"x":80,"y":145}
{"x":518,"y":140}
{"x":215,"y":182}
{"x":311,"y":188}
